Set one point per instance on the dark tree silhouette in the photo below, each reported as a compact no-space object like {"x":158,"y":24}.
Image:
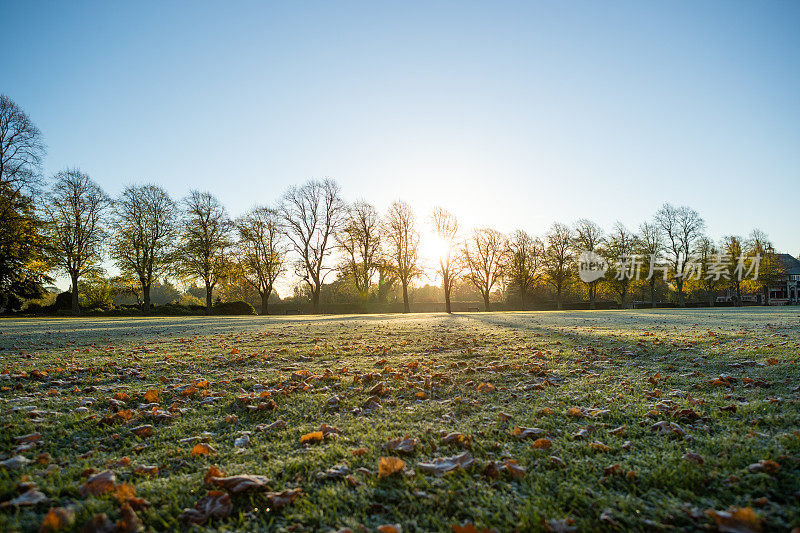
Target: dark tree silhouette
{"x":312,"y":214}
{"x":74,"y":224}
{"x":145,"y":224}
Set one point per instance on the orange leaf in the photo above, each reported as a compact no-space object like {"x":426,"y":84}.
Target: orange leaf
{"x":98,"y":484}
{"x":152,"y":396}
{"x":56,"y":519}
{"x":312,"y":438}
{"x":742,"y":520}
{"x":213,"y":472}
{"x":201,"y":448}
{"x":390,"y":465}
{"x":542,"y":444}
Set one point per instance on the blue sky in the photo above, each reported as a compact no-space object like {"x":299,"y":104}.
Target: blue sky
{"x":508,"y":114}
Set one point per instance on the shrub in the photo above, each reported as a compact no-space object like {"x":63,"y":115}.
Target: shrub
{"x":233,"y":308}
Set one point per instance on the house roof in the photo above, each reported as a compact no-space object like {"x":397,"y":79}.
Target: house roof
{"x":791,"y":264}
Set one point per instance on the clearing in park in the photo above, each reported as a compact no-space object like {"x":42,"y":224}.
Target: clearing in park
{"x":648,"y":420}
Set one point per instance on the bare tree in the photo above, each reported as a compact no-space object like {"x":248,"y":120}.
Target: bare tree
{"x":21,"y":148}
{"x":770,"y":269}
{"x":145,"y":225}
{"x":312,"y":215}
{"x":402,"y":242}
{"x":620,"y":250}
{"x":589,"y":237}
{"x":707,"y":254}
{"x":524,"y":262}
{"x":261,"y":251}
{"x":74,"y":220}
{"x":483,"y":258}
{"x":558,"y":258}
{"x":360,"y":241}
{"x":733,"y":249}
{"x":650,"y":246}
{"x":205,"y":239}
{"x":682,"y":227}
{"x":445,"y":224}
{"x":386,"y":277}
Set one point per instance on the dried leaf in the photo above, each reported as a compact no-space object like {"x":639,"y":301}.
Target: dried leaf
{"x":443,"y":465}
{"x":402,"y":445}
{"x":56,"y":519}
{"x":98,"y":484}
{"x":152,"y":396}
{"x":312,"y":438}
{"x":26,"y":499}
{"x":279,"y":500}
{"x":201,"y":448}
{"x":528,"y":433}
{"x":390,"y":465}
{"x":240,"y":483}
{"x":216,"y":504}
{"x":143,"y":431}
{"x":736,"y":520}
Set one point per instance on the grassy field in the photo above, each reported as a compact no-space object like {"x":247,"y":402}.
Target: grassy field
{"x":609,"y":420}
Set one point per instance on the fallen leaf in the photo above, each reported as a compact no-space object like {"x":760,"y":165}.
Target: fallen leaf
{"x":98,"y":484}
{"x":312,"y":438}
{"x":736,"y":520}
{"x":240,"y":483}
{"x":215,"y":504}
{"x":56,"y":519}
{"x":201,"y":448}
{"x":143,"y":431}
{"x":402,"y":445}
{"x":26,"y":499}
{"x":152,"y":396}
{"x":443,"y":465}
{"x":390,"y":465}
{"x":128,"y":522}
{"x":528,"y":433}
{"x":764,"y":465}
{"x":279,"y":500}
{"x":15,"y":463}
{"x":542,"y":444}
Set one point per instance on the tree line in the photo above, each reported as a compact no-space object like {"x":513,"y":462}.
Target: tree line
{"x":68,"y":225}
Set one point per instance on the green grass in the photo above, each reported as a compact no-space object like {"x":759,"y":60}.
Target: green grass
{"x":603,"y":360}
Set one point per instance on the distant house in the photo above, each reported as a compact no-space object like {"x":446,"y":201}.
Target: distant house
{"x":787,"y":290}
{"x":784,"y":291}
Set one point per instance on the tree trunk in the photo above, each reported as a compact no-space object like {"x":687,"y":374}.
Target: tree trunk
{"x":315,"y":300}
{"x":406,"y":306}
{"x":76,"y":308}
{"x":208,"y":299}
{"x":738,"y":295}
{"x":265,"y":303}
{"x":653,"y":292}
{"x":558,"y":300}
{"x":447,"y":307}
{"x":681,"y":302}
{"x":522,"y":298}
{"x":146,"y":298}
{"x":592,"y":295}
{"x":486,"y":300}
{"x":711,"y":298}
